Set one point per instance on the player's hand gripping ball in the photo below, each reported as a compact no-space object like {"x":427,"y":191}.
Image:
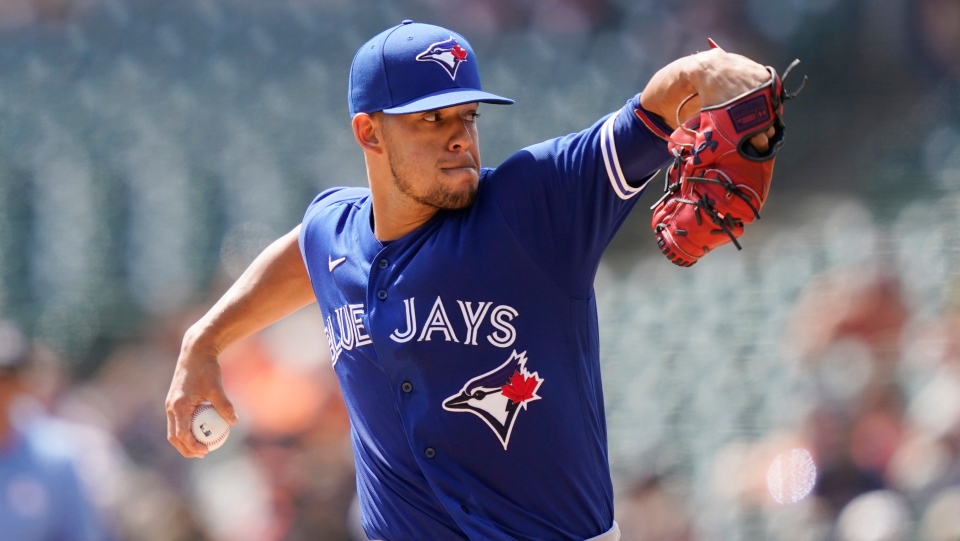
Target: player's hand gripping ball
{"x":718,"y":181}
{"x":208,"y":427}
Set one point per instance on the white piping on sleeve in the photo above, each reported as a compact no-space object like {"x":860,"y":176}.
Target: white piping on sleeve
{"x":608,"y":148}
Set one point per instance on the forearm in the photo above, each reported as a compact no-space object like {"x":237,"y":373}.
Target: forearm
{"x":275,"y":285}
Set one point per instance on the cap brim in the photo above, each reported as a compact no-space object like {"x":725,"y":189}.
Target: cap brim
{"x":447,"y":98}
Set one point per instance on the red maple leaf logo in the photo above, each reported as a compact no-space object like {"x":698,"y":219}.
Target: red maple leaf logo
{"x":459,"y":52}
{"x":521,"y":388}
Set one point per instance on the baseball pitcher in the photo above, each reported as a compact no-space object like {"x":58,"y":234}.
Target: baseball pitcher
{"x":458,"y":299}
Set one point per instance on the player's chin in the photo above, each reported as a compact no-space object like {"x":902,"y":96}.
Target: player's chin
{"x":459,"y":199}
{"x":449,"y":199}
{"x":461,"y":188}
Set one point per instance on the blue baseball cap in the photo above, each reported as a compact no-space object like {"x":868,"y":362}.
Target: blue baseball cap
{"x":415,"y":67}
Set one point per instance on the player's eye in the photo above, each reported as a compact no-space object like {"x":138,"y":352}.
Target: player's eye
{"x":473,"y":116}
{"x":432,"y":116}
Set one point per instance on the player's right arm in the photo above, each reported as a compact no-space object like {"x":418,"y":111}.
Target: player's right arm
{"x":275,"y":285}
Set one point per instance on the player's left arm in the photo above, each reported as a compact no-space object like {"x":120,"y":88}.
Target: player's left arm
{"x":565,"y":198}
{"x":581,"y":187}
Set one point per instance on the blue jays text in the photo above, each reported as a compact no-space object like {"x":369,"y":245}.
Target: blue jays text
{"x":350,"y":331}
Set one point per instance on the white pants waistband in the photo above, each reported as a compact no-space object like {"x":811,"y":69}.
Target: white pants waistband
{"x":613,"y":534}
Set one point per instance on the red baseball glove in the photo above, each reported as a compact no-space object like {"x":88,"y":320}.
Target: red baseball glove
{"x":718,"y":181}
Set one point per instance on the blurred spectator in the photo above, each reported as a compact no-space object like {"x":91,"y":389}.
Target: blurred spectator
{"x":845,"y":330}
{"x":852,"y":448}
{"x":42,"y":496}
{"x":927,"y":464}
{"x":144,"y":487}
{"x":855,"y":311}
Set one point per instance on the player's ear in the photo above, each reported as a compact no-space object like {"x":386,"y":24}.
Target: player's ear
{"x":367,"y":130}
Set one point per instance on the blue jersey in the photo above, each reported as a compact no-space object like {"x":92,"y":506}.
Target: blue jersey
{"x":41,"y":494}
{"x":467,"y":351}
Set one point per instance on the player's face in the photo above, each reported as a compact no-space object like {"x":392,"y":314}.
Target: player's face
{"x":435,"y":156}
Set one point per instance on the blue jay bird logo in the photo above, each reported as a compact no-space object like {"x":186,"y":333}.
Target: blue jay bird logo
{"x":497,"y":396}
{"x":447,"y":53}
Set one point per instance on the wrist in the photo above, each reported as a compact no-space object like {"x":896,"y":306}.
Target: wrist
{"x":200,"y":340}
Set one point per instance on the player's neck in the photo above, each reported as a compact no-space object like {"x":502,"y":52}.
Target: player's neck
{"x":395,"y":217}
{"x":395,"y":213}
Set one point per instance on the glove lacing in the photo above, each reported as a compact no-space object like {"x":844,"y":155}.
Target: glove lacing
{"x":726,"y":222}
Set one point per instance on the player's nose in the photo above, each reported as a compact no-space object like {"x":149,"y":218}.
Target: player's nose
{"x":461,"y":138}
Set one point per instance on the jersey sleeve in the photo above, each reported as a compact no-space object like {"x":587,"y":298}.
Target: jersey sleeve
{"x":565,"y":198}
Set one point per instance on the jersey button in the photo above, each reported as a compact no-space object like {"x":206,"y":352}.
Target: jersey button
{"x":383,"y":264}
{"x":429,"y":452}
{"x":382,"y":294}
{"x":407,"y":386}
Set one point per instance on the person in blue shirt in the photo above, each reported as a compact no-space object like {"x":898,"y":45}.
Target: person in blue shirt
{"x":458,"y":299}
{"x":42,"y":497}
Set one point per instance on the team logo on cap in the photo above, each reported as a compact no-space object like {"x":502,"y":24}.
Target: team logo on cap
{"x":498,"y":396}
{"x":448,"y":54}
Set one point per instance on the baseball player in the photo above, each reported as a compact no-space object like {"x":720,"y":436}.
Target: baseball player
{"x":458,"y":299}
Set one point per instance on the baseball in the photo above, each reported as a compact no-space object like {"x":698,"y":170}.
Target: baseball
{"x":208,"y":427}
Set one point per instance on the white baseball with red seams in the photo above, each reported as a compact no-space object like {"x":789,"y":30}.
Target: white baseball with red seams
{"x":208,"y":427}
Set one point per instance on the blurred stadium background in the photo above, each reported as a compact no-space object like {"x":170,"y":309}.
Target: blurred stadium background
{"x":149,"y":149}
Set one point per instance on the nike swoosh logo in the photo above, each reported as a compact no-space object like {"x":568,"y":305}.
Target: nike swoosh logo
{"x":334,"y":262}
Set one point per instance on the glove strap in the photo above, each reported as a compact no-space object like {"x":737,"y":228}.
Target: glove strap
{"x":786,"y":73}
